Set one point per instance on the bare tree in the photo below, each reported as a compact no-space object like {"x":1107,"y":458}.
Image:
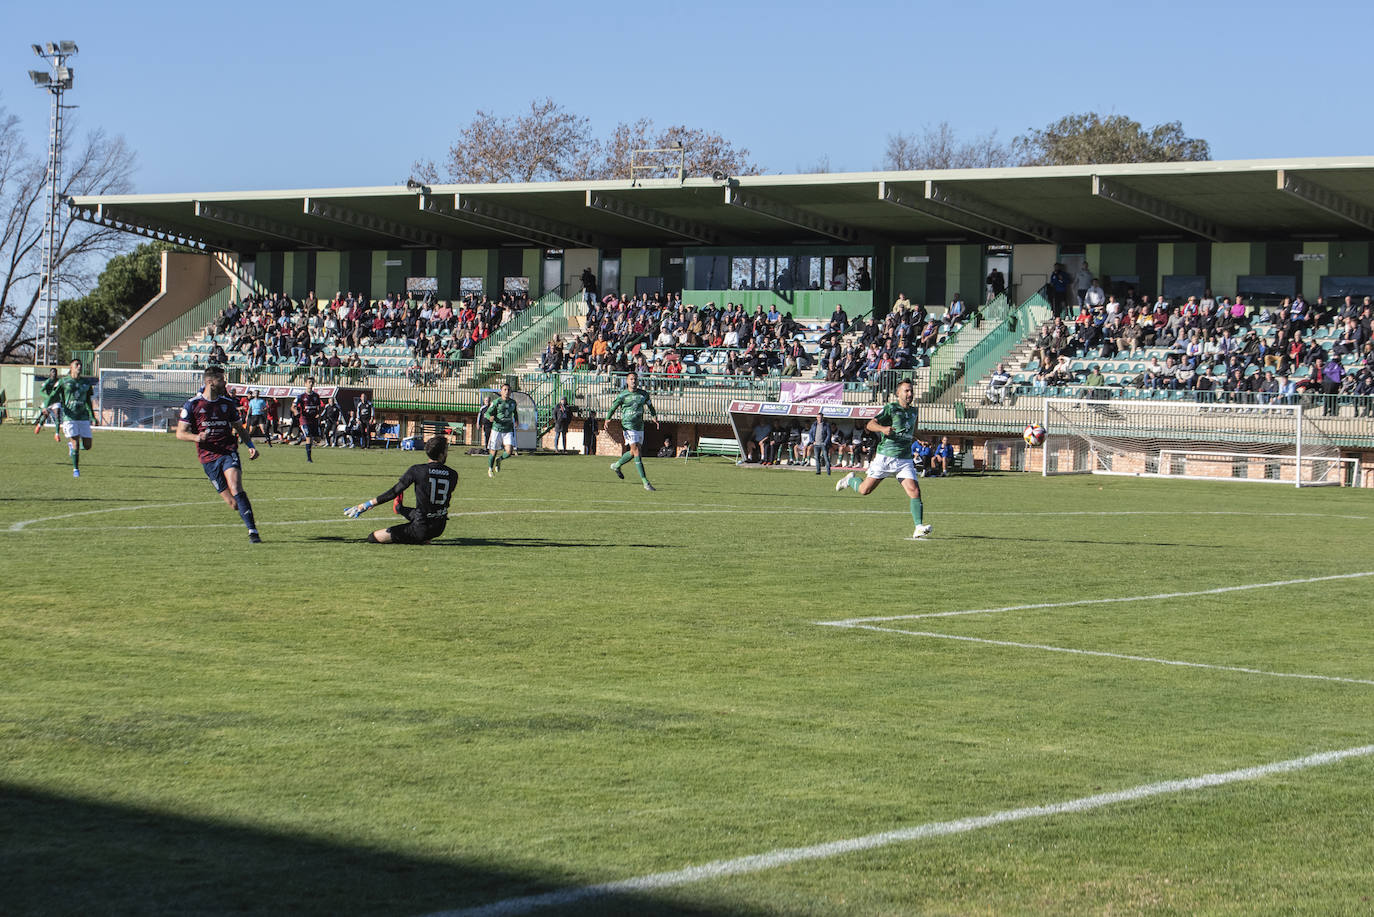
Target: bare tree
{"x":100,"y":165}
{"x":938,"y":148}
{"x":552,"y":144}
{"x":540,"y":145}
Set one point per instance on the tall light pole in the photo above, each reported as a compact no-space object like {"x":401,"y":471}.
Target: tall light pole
{"x":57,"y":79}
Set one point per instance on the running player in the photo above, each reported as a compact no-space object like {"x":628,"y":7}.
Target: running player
{"x":307,"y":408}
{"x":73,"y":395}
{"x":896,"y":424}
{"x":50,"y":409}
{"x":502,"y":414}
{"x":434,"y":485}
{"x":211,"y":421}
{"x":632,"y":403}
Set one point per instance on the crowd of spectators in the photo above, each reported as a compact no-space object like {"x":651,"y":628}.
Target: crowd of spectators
{"x":658,"y":334}
{"x":1222,"y":348}
{"x":274,"y":331}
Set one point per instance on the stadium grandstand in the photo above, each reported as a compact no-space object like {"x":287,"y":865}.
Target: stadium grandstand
{"x":1243,"y":285}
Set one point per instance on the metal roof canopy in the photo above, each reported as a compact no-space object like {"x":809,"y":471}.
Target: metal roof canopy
{"x":1239,"y":200}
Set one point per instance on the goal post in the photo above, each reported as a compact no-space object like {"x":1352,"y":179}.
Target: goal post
{"x":1214,"y":441}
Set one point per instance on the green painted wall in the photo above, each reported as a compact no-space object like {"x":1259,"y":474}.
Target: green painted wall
{"x":532,"y":266}
{"x":963,"y":274}
{"x":328,"y":274}
{"x":482,"y":262}
{"x":1164,"y":268}
{"x":910,"y":277}
{"x":1313,"y":271}
{"x":1115,"y":260}
{"x":810,"y":304}
{"x":634,"y":262}
{"x":1229,"y":261}
{"x":1185,"y":258}
{"x":1349,"y":259}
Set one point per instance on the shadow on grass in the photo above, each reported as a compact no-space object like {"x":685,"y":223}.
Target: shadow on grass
{"x":67,"y":856}
{"x":442,"y":542}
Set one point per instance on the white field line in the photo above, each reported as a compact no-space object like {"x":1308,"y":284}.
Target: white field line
{"x":20,"y":526}
{"x":1221,"y":590}
{"x":719,"y":507}
{"x":1106,"y":655}
{"x":485,"y":512}
{"x":773,"y":859}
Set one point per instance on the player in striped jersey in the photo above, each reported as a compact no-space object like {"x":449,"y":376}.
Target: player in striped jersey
{"x":211,"y":421}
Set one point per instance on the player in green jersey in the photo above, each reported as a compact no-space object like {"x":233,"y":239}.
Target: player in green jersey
{"x":896,"y":423}
{"x":50,"y":408}
{"x":632,"y":403}
{"x":503,"y":417}
{"x":74,"y":395}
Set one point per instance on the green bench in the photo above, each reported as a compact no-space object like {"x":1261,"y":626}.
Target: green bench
{"x":711,"y":446}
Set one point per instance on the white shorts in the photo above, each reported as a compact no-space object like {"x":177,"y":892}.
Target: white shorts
{"x":76,"y":429}
{"x":806,"y":439}
{"x":634,"y":437}
{"x":501,"y":440}
{"x":885,"y":466}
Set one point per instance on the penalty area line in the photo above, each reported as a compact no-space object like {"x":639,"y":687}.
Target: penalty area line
{"x":786,"y":856}
{"x":1221,"y":590}
{"x":1106,"y":655}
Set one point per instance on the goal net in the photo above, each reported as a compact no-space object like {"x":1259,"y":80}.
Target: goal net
{"x":1213,"y":441}
{"x":145,"y":399}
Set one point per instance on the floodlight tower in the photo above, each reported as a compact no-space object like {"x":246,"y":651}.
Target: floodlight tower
{"x":57,"y":80}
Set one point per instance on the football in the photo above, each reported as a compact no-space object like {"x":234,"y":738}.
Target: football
{"x":1034,"y":435}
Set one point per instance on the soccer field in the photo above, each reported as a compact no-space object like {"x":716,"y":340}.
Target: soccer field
{"x":1081,"y":695}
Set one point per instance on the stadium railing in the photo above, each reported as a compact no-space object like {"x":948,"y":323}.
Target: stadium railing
{"x":181,"y":328}
{"x":492,"y":354}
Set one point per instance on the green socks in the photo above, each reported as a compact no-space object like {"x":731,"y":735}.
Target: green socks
{"x":916,"y":509}
{"x":639,"y":466}
{"x":624,"y":459}
{"x":854,"y":482}
{"x":75,"y":453}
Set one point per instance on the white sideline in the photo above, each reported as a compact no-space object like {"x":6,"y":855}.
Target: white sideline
{"x":22,"y":526}
{"x":785,"y":856}
{"x":1102,"y":653}
{"x":851,"y":622}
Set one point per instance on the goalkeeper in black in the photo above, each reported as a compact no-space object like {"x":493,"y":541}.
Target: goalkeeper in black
{"x":434,"y":484}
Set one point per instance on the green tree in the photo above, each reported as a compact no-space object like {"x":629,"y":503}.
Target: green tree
{"x":126,"y":285}
{"x":1090,"y":138}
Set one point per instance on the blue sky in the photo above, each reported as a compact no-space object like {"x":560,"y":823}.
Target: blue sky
{"x":253,"y":95}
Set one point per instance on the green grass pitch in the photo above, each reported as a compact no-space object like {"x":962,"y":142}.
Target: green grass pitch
{"x":582,"y":683}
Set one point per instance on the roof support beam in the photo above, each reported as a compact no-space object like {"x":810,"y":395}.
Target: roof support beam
{"x":1161,"y":210}
{"x":891,"y":194}
{"x":431,"y":206}
{"x":113,"y":218}
{"x":369,"y":222}
{"x":962,"y":201}
{"x":1324,"y":199}
{"x":485,"y":212}
{"x":646,"y":216}
{"x":736,"y":196}
{"x":266,"y":226}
